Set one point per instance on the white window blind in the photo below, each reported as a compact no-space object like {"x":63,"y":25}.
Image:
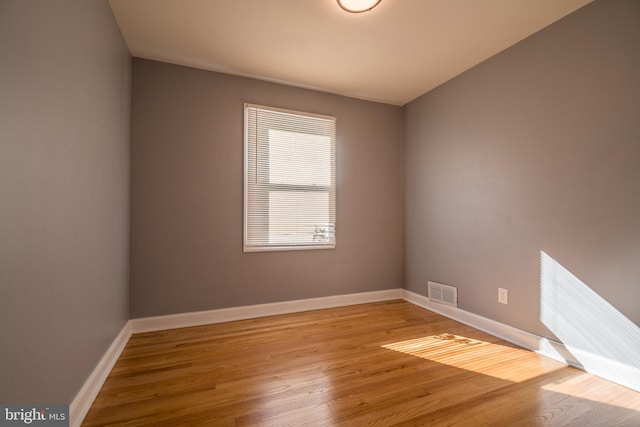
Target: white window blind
{"x":290,"y":180}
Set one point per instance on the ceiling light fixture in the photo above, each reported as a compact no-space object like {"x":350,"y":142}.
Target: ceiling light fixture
{"x":358,"y":6}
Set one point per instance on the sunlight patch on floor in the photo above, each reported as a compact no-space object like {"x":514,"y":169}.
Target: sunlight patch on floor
{"x":477,"y":356}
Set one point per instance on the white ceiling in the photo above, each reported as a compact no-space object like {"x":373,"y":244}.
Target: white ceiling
{"x":393,"y":54}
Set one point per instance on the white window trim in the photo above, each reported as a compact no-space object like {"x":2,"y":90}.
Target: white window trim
{"x":249,"y":248}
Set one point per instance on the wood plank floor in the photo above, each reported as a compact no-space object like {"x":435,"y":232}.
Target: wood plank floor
{"x":377,"y":364}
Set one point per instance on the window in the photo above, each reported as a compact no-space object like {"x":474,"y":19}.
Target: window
{"x":290,"y":180}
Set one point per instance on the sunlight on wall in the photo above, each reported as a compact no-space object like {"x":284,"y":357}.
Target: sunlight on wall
{"x":601,"y":338}
{"x":477,"y":356}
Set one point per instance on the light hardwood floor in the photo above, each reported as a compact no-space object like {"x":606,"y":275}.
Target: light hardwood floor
{"x":380,"y":364}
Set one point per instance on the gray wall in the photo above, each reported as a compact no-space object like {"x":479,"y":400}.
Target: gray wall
{"x":64,"y":200}
{"x":187,"y":196}
{"x":536,"y":149}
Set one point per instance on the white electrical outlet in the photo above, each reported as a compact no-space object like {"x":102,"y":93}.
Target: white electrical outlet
{"x":503,"y":296}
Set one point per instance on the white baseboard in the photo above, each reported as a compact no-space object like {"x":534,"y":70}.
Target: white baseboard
{"x":184,"y":320}
{"x":611,"y":370}
{"x":508,"y":333}
{"x":84,"y":399}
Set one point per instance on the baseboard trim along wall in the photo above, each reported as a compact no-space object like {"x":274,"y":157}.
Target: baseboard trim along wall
{"x":625,"y":375}
{"x":184,"y":320}
{"x":611,"y":370}
{"x":84,"y":399}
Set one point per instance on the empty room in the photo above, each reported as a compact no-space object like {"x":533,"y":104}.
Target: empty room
{"x":320,"y":212}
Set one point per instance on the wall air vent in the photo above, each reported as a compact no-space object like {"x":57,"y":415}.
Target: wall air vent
{"x":443,"y":293}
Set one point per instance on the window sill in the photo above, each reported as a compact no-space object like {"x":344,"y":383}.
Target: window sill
{"x":286,"y":248}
